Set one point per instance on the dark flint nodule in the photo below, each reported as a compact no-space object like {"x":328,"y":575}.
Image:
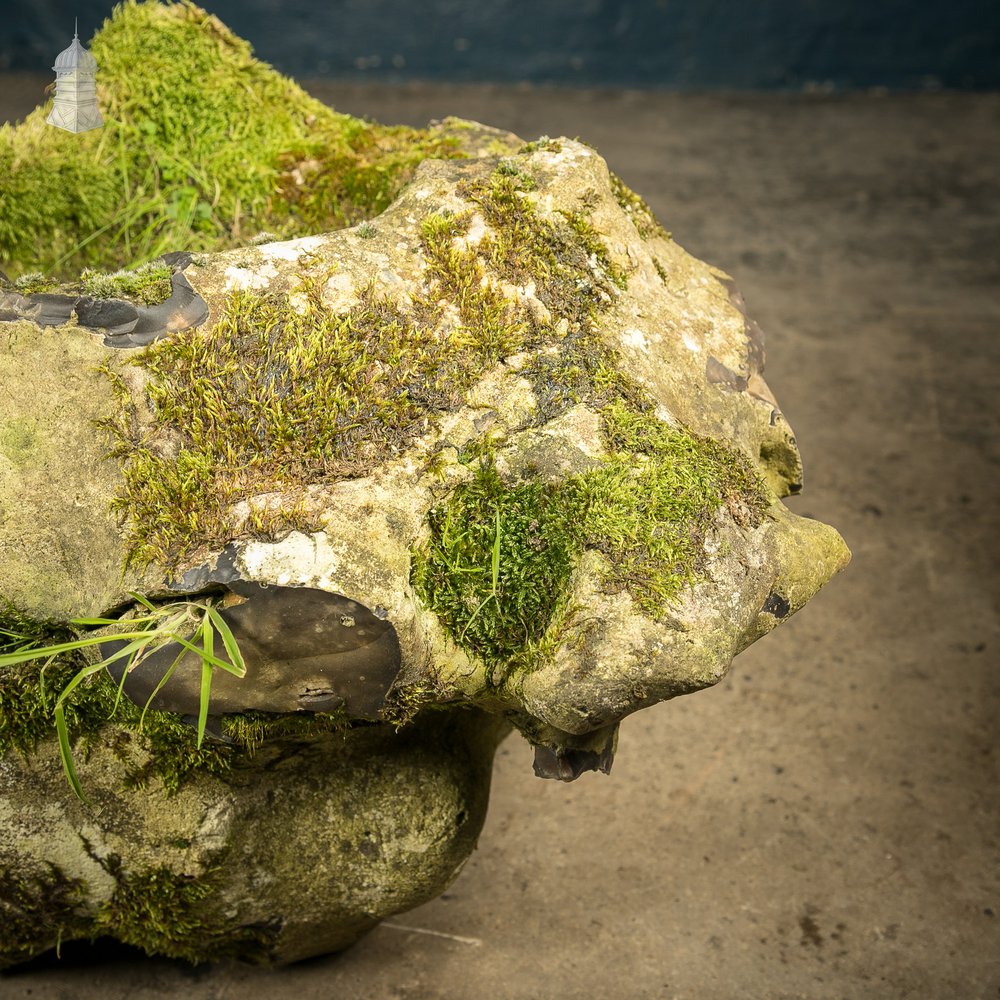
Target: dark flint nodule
{"x":305,"y":650}
{"x":123,"y":323}
{"x":568,"y":763}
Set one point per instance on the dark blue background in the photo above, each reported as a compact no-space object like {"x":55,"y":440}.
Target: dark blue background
{"x":769,"y":44}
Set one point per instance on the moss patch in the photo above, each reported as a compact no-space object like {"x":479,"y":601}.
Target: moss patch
{"x":637,"y":210}
{"x":525,"y":531}
{"x":649,"y":506}
{"x":38,"y":910}
{"x":646,"y":508}
{"x":148,"y":283}
{"x":271,"y":399}
{"x":163,"y":913}
{"x":202,"y":146}
{"x":34,"y":281}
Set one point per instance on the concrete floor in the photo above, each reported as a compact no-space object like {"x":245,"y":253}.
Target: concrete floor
{"x":824,"y":823}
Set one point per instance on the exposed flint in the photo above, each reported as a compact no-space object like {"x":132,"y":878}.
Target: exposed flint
{"x":566,"y":763}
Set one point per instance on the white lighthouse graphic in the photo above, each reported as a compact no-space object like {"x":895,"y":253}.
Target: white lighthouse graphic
{"x":75,"y":105}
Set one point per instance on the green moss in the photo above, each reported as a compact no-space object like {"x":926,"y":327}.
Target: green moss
{"x":646,"y":508}
{"x":28,"y":692}
{"x":503,"y":616}
{"x":637,"y":210}
{"x":272,"y":398}
{"x":154,"y":908}
{"x":148,"y":283}
{"x":18,"y":439}
{"x":38,"y":910}
{"x":565,"y":259}
{"x":544,"y":143}
{"x":251,"y":730}
{"x":201,"y":144}
{"x":34,"y":281}
{"x":164,"y":913}
{"x":355,"y":178}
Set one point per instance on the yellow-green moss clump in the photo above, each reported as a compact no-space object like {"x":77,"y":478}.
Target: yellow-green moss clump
{"x":202,"y":147}
{"x":637,"y":210}
{"x":163,"y":913}
{"x":497,"y":567}
{"x":148,"y":283}
{"x":283,"y":392}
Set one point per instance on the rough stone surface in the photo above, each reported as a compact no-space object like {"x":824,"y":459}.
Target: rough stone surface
{"x":298,"y":852}
{"x":260,"y":843}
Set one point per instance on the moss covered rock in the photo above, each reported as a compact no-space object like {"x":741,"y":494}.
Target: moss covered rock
{"x":296,"y":851}
{"x":505,"y":417}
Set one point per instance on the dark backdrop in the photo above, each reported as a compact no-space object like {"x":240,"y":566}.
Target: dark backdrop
{"x":839,"y":44}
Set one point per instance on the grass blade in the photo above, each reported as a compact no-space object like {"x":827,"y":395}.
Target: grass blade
{"x":489,"y":597}
{"x":144,"y":601}
{"x":22,"y":656}
{"x":81,"y":675}
{"x":206,"y":679}
{"x":496,"y":555}
{"x":229,"y":641}
{"x":206,"y":656}
{"x":66,"y":753}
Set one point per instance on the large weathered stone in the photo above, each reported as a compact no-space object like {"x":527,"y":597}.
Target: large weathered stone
{"x":296,"y":852}
{"x":508,"y":421}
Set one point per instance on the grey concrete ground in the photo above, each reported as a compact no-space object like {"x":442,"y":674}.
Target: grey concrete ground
{"x":824,"y":823}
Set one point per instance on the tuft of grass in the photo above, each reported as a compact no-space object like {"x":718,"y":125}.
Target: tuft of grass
{"x":94,"y":711}
{"x":190,"y":624}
